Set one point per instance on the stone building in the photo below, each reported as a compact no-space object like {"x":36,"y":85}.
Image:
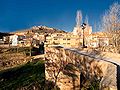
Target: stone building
{"x":98,"y":39}
{"x":78,"y":30}
{"x":17,"y":39}
{"x":63,"y":39}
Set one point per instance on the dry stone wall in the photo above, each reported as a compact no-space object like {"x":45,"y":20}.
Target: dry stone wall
{"x":56,"y":72}
{"x":9,"y":60}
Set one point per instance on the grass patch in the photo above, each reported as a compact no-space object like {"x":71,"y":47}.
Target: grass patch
{"x":24,"y":75}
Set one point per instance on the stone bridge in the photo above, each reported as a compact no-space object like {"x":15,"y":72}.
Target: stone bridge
{"x":71,"y":69}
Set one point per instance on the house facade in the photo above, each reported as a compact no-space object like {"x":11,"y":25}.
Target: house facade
{"x":98,"y":39}
{"x":63,"y":39}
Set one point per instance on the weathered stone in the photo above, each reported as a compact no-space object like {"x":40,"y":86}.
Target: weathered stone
{"x":87,"y":65}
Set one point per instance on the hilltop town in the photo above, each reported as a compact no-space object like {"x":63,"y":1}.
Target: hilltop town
{"x":52,"y":36}
{"x":46,"y":58}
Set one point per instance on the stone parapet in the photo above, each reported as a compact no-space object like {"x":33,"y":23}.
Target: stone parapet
{"x":71,"y":70}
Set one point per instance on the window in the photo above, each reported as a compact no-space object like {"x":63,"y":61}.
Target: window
{"x":68,"y":39}
{"x":64,"y":38}
{"x":59,"y":35}
{"x":57,"y":43}
{"x":55,"y":39}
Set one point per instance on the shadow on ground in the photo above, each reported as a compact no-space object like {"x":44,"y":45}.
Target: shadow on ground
{"x":30,"y":76}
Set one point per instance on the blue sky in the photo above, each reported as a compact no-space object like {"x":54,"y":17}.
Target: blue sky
{"x":23,"y":14}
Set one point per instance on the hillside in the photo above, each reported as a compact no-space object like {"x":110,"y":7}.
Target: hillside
{"x":40,"y":29}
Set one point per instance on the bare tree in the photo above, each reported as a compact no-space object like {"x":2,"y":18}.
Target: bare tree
{"x":111,"y":18}
{"x":29,"y":36}
{"x":111,"y":23}
{"x":78,"y":18}
{"x":86,"y":19}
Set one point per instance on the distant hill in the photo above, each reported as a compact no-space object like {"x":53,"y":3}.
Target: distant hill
{"x":41,"y":29}
{"x":4,"y":34}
